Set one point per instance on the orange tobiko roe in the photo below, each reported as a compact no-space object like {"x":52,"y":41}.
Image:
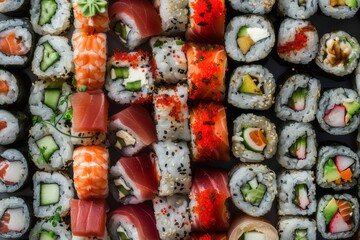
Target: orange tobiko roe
{"x":206,"y":12}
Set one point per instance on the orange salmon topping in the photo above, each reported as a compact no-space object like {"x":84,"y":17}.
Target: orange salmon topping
{"x":4,"y":88}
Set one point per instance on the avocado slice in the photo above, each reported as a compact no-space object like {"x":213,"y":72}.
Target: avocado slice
{"x":243,"y":31}
{"x":119,"y":72}
{"x":352,"y":108}
{"x":48,"y":10}
{"x":300,"y":234}
{"x":50,"y":57}
{"x":49,"y":194}
{"x":249,"y":86}
{"x":331,"y":172}
{"x":351,"y":3}
{"x":330,"y":210}
{"x":51,"y":97}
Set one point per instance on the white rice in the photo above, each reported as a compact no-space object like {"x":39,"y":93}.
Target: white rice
{"x":9,"y":134}
{"x":61,"y":230}
{"x":174,"y":15}
{"x":117,"y":220}
{"x":292,"y":9}
{"x":253,"y":6}
{"x":288,"y":225}
{"x":13,"y":93}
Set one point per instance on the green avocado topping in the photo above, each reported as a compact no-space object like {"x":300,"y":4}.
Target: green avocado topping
{"x":90,"y":8}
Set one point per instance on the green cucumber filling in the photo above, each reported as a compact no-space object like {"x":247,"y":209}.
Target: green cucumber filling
{"x":47,"y":11}
{"x":90,"y":8}
{"x":298,"y":148}
{"x":297,"y":101}
{"x":122,"y":30}
{"x":252,"y":235}
{"x":133,"y":86}
{"x":348,"y":3}
{"x":50,"y":57}
{"x":47,"y":146}
{"x":250,"y":85}
{"x":302,"y":3}
{"x":122,"y":234}
{"x":49,"y":194}
{"x":119,"y":72}
{"x":123,"y":188}
{"x":179,"y":42}
{"x":300,"y":234}
{"x":47,"y":235}
{"x":124,"y":139}
{"x":254,"y":139}
{"x":301,"y":198}
{"x":52,"y":97}
{"x":253,"y":192}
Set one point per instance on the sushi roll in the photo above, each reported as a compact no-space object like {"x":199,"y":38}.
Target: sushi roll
{"x":298,"y":98}
{"x":89,"y":59}
{"x":15,"y":8}
{"x":174,"y":15}
{"x":90,"y":169}
{"x":132,"y":187}
{"x":50,"y":16}
{"x":14,"y":127}
{"x":209,"y":189}
{"x":249,"y":38}
{"x":208,"y":236}
{"x":88,"y":219}
{"x":296,"y":193}
{"x":49,"y":149}
{"x":206,"y":21}
{"x":89,"y":120}
{"x":131,"y":130}
{"x":337,"y":168}
{"x":133,"y":222}
{"x":246,"y":227}
{"x":209,"y":133}
{"x":14,"y":170}
{"x":48,"y":99}
{"x":134,"y":21}
{"x":338,"y":112}
{"x":297,"y":41}
{"x":253,"y":6}
{"x":52,"y":194}
{"x":337,"y":216}
{"x":17,"y":41}
{"x":44,"y":229}
{"x":252,"y":87}
{"x":91,"y":16}
{"x":253,"y":188}
{"x":338,"y":53}
{"x":339,"y":9}
{"x":169,"y":60}
{"x":295,"y":227}
{"x":53,"y":58}
{"x":206,"y":71}
{"x":172,"y":217}
{"x":255,"y":138}
{"x":173,"y":168}
{"x":13,"y":88}
{"x":15,"y":218}
{"x":172,"y":113}
{"x":129,"y":79}
{"x":297,"y":148}
{"x":357,"y":79}
{"x":297,"y":9}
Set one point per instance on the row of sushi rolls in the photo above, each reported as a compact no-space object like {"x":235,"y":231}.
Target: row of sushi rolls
{"x":172,"y":122}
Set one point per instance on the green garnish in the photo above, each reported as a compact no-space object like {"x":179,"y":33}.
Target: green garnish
{"x":90,"y":8}
{"x":158,"y":43}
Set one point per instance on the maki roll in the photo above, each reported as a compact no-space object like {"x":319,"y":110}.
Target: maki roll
{"x":337,"y":167}
{"x":173,"y":168}
{"x":174,"y":222}
{"x":52,"y":194}
{"x":296,"y":193}
{"x":296,"y":227}
{"x":297,"y":146}
{"x":169,"y":60}
{"x":206,"y":71}
{"x":255,"y":138}
{"x":252,"y":87}
{"x":13,"y":88}
{"x":50,"y":16}
{"x":130,"y":79}
{"x":209,"y":189}
{"x":90,"y":168}
{"x":209,"y":133}
{"x":15,"y":218}
{"x":339,"y":9}
{"x":44,"y":229}
{"x":133,"y":222}
{"x":131,"y":187}
{"x":206,"y":21}
{"x":298,"y":98}
{"x":174,"y":15}
{"x":297,"y":9}
{"x":253,"y":188}
{"x":172,"y":113}
{"x":14,"y":170}
{"x":53,"y":58}
{"x":131,"y":130}
{"x":337,"y":216}
{"x":249,"y":38}
{"x":253,"y":6}
{"x":338,"y":53}
{"x":338,"y":112}
{"x":49,"y":149}
{"x":13,"y":126}
{"x":17,"y":41}
{"x":250,"y":228}
{"x":297,"y":41}
{"x":14,"y":8}
{"x":133,"y":21}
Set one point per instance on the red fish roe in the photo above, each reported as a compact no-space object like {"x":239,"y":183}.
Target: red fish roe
{"x":132,"y":58}
{"x":299,"y":42}
{"x":175,"y":104}
{"x":207,"y":11}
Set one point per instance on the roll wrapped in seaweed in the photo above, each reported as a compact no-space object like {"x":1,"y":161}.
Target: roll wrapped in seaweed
{"x":297,"y":9}
{"x":339,"y":9}
{"x":15,"y":8}
{"x":14,"y":89}
{"x":295,"y":227}
{"x":14,"y":127}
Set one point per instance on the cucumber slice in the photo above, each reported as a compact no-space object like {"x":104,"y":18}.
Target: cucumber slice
{"x":124,"y":189}
{"x":51,"y":97}
{"x":44,"y":235}
{"x":48,"y":10}
{"x":50,"y":56}
{"x":119,"y":72}
{"x":122,"y":30}
{"x":300,"y":234}
{"x":245,"y":189}
{"x":122,"y":233}
{"x":133,"y":86}
{"x":49,"y":194}
{"x":124,"y":139}
{"x":253,"y":183}
{"x":253,"y":235}
{"x":47,"y":146}
{"x":249,"y":143}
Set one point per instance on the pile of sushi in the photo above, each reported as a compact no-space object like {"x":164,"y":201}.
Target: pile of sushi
{"x":133,"y":143}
